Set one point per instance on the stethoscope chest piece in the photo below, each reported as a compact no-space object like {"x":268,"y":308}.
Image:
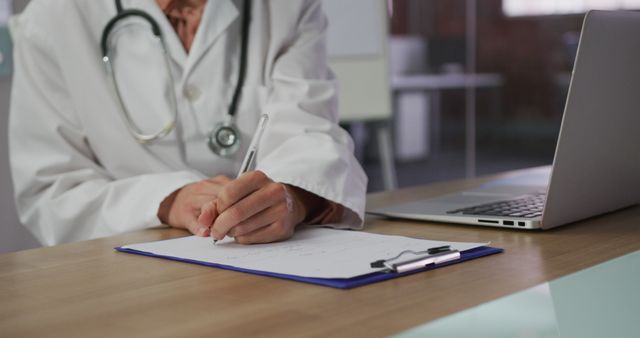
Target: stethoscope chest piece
{"x":224,"y":139}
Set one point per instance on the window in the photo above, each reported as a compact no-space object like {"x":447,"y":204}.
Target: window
{"x":553,"y":7}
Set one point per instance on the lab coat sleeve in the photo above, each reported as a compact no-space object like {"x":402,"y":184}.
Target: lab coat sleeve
{"x":304,"y":145}
{"x":62,"y":193}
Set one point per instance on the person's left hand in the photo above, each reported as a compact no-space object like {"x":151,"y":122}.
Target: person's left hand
{"x":254,"y":209}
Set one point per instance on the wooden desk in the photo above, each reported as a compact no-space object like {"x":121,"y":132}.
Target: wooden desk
{"x":87,"y":289}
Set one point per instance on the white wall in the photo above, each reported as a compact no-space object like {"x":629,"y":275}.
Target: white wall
{"x":13,"y":236}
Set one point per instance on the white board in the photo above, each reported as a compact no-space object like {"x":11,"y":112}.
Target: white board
{"x":358,"y":54}
{"x":354,"y":27}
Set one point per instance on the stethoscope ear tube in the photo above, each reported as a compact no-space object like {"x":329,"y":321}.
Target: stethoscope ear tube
{"x":104,"y":40}
{"x":233,"y":107}
{"x":137,"y":133}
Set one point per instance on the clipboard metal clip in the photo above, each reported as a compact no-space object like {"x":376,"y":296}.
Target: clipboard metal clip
{"x":434,"y":256}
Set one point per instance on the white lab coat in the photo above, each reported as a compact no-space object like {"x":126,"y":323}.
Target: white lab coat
{"x":77,"y":171}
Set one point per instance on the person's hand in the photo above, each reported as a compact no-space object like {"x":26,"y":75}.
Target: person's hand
{"x":182,"y":208}
{"x":254,"y":209}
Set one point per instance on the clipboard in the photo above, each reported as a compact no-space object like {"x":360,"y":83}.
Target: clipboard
{"x":339,"y":283}
{"x":431,"y":259}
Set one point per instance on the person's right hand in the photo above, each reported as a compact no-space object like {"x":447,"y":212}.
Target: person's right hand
{"x":182,"y":208}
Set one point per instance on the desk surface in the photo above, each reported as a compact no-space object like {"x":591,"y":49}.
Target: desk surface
{"x":87,"y":289}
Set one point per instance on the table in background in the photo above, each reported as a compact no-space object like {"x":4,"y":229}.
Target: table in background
{"x":87,"y":289}
{"x":434,"y":84}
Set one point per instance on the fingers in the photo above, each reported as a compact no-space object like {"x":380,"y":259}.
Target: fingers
{"x":189,"y":207}
{"x":244,"y":210}
{"x":259,"y":220}
{"x":240,"y":188}
{"x":189,"y":211}
{"x":196,"y":228}
{"x":204,"y":217}
{"x":252,"y":208}
{"x":208,"y":214}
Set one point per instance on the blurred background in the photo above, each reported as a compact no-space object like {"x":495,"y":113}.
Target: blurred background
{"x":432,"y":90}
{"x":523,"y":57}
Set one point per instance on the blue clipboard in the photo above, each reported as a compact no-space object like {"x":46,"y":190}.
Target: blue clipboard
{"x":339,"y":283}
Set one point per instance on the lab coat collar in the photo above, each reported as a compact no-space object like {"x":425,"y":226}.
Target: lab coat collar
{"x":216,"y":18}
{"x":172,"y":42}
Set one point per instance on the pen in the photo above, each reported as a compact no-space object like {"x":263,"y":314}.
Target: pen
{"x":250,"y":157}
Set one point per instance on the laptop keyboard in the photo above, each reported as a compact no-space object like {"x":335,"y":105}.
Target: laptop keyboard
{"x":526,"y":207}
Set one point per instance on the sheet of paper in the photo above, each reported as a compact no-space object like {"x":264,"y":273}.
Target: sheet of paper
{"x":312,"y":252}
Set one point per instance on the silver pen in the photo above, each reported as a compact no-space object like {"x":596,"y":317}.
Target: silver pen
{"x":250,"y":157}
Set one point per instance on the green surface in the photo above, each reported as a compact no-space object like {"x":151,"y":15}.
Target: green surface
{"x":602,"y":301}
{"x":6,"y":53}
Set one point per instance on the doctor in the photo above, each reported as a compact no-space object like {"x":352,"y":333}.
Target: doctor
{"x":127,"y":114}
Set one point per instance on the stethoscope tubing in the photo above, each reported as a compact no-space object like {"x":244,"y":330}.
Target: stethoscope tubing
{"x":228,"y":123}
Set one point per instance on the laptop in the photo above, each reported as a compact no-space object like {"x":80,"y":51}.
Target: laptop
{"x":596,"y":168}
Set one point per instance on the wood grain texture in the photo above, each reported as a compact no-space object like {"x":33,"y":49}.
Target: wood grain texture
{"x":88,"y":289}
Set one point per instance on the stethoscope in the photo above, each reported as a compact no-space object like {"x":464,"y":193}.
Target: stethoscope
{"x":224,"y":139}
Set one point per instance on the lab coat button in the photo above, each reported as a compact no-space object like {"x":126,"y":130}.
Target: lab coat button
{"x":192,"y":93}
